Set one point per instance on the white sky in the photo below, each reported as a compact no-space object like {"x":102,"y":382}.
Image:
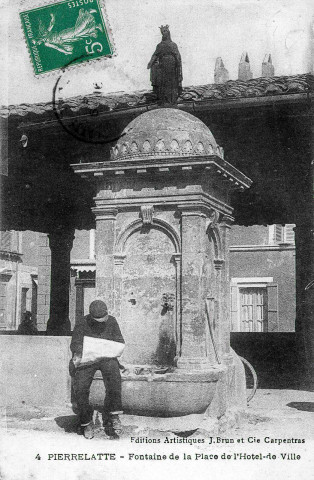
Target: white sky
{"x":203,"y":30}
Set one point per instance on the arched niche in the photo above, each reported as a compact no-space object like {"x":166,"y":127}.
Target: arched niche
{"x":214,"y":237}
{"x":137,"y":225}
{"x":147,"y":268}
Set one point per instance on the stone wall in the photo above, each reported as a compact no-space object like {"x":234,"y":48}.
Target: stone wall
{"x":34,"y":371}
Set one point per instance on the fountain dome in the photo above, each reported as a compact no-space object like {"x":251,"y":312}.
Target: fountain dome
{"x":165,"y":133}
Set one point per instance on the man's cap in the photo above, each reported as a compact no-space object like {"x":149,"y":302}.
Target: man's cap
{"x":98,"y":309}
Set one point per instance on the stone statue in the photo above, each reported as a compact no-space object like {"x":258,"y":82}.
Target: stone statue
{"x":166,"y":70}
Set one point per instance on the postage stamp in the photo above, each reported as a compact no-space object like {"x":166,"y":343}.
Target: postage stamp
{"x":63,"y":33}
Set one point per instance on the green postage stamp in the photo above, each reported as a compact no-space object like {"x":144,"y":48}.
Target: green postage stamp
{"x":66,"y":33}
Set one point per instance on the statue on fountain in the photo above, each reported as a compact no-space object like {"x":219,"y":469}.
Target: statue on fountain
{"x":166,"y":70}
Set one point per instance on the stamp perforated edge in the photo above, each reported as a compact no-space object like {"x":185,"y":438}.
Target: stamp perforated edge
{"x":31,"y":5}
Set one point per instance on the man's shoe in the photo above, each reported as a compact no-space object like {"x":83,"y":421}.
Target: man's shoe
{"x":112,"y":426}
{"x":116,"y":424}
{"x":88,"y":431}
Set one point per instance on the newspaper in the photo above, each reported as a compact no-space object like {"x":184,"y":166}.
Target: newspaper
{"x":95,"y":349}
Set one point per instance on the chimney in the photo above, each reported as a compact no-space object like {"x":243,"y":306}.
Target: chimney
{"x":221,"y":74}
{"x":267,"y":67}
{"x":244,"y":68}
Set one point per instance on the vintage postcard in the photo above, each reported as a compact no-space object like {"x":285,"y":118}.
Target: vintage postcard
{"x":156,"y":239}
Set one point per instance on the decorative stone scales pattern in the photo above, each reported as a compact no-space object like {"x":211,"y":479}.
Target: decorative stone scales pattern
{"x":165,"y":140}
{"x":165,"y":132}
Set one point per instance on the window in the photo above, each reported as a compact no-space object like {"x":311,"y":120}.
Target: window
{"x":254,"y":305}
{"x":253,"y":309}
{"x":281,"y":234}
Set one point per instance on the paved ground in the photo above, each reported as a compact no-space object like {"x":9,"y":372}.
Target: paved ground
{"x":277,"y":423}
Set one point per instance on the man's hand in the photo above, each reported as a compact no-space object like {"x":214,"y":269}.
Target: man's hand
{"x":76,"y":360}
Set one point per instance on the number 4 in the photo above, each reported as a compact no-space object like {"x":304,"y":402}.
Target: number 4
{"x":38,"y":457}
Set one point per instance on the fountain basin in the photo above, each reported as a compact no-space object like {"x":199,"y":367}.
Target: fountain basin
{"x":170,"y":394}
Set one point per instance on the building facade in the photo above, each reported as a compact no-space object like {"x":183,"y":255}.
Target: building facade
{"x":18,"y":277}
{"x":262,"y":279}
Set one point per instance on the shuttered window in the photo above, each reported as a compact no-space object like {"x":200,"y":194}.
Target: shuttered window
{"x":289,"y":233}
{"x":281,"y":234}
{"x":254,"y":309}
{"x":253,"y":313}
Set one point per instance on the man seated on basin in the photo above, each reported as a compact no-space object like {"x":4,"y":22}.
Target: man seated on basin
{"x":99,"y":325}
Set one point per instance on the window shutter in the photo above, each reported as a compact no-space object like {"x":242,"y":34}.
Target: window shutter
{"x":278,"y":233}
{"x":272,"y":308}
{"x":234,"y":308}
{"x":6,"y":240}
{"x":3,"y":302}
{"x":289,"y":233}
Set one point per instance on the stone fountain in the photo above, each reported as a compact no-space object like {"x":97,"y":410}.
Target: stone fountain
{"x":163,"y":216}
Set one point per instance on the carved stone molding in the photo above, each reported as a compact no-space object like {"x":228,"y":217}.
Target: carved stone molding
{"x":136,"y":226}
{"x":218,"y":263}
{"x":213,"y":218}
{"x":193,"y":210}
{"x":119,"y":259}
{"x":102,"y":213}
{"x":226,"y":221}
{"x":147,"y":212}
{"x":176,"y":258}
